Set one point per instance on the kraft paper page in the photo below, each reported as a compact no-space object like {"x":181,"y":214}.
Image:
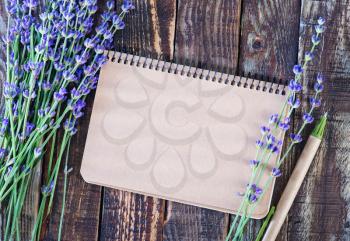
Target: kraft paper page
{"x":176,"y":137}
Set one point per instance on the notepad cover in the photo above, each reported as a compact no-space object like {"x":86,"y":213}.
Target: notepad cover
{"x":176,"y":137}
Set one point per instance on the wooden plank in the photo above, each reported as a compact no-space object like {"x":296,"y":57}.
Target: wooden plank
{"x":321,"y":211}
{"x":268,"y":50}
{"x":127,"y":216}
{"x":81,"y":217}
{"x":207,"y":36}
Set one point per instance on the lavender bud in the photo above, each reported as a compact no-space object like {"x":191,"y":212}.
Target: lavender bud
{"x":273,"y":119}
{"x":318,"y":87}
{"x":309,"y":56}
{"x":319,"y":78}
{"x":276,"y":172}
{"x":319,"y":28}
{"x":315,"y":102}
{"x":294,"y":102}
{"x":127,"y":5}
{"x":30,"y":4}
{"x":3,"y":153}
{"x":270,"y":139}
{"x":297,"y":69}
{"x":259,"y":144}
{"x":264,"y":130}
{"x":315,"y":39}
{"x":296,"y":138}
{"x":46,"y":86}
{"x":254,"y":163}
{"x":308,"y":118}
{"x":89,"y":43}
{"x":37,"y":152}
{"x":28,"y":95}
{"x":110,"y":5}
{"x":284,"y":126}
{"x":295,"y":86}
{"x":46,"y":190}
{"x":321,"y":20}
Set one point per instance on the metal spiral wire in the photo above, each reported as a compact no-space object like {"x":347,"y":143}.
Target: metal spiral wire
{"x":158,"y":63}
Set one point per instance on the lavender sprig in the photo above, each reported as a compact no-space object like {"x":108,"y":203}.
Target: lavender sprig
{"x":53,"y":59}
{"x":269,"y":142}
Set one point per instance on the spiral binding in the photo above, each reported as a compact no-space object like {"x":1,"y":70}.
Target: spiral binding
{"x":158,"y":64}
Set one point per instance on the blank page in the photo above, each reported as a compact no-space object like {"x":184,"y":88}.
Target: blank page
{"x":178,"y":137}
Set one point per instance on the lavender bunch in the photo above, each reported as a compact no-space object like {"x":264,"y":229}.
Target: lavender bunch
{"x":270,"y":142}
{"x":52,"y":64}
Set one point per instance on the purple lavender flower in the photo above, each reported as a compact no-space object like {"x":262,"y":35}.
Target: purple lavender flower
{"x":270,"y":138}
{"x":69,"y":125}
{"x":309,"y":56}
{"x":294,"y":102}
{"x":253,"y":198}
{"x":276,"y":172}
{"x":321,"y":20}
{"x":254,"y":163}
{"x":319,"y":29}
{"x":110,"y":5}
{"x":118,"y":22}
{"x":296,"y":138}
{"x":273,"y":148}
{"x":28,"y":95}
{"x":89,"y":70}
{"x":319,"y":78}
{"x":3,"y":153}
{"x":10,"y":90}
{"x":284,"y":126}
{"x":127,"y":5}
{"x":308,"y":118}
{"x":89,"y":43}
{"x":318,"y":87}
{"x":102,"y":60}
{"x":264,"y":130}
{"x":37,"y":152}
{"x":4,"y":125}
{"x":273,"y":119}
{"x":297,"y":69}
{"x":29,"y":128}
{"x":108,"y":35}
{"x":259,"y":144}
{"x":68,"y":76}
{"x":46,"y":86}
{"x":59,"y":96}
{"x":295,"y":86}
{"x":315,"y":102}
{"x":26,"y":22}
{"x":46,"y":190}
{"x":30,"y":4}
{"x":315,"y":39}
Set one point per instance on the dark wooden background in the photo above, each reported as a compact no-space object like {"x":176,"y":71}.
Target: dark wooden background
{"x":262,"y":38}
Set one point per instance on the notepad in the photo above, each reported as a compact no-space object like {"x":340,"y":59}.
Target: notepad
{"x":177,"y":132}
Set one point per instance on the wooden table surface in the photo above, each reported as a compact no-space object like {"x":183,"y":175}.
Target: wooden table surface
{"x":261,"y":38}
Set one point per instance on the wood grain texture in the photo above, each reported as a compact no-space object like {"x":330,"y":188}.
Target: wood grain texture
{"x":207,"y":35}
{"x":321,"y":210}
{"x":269,"y":50}
{"x":127,"y":216}
{"x":269,"y":38}
{"x":82,"y":212}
